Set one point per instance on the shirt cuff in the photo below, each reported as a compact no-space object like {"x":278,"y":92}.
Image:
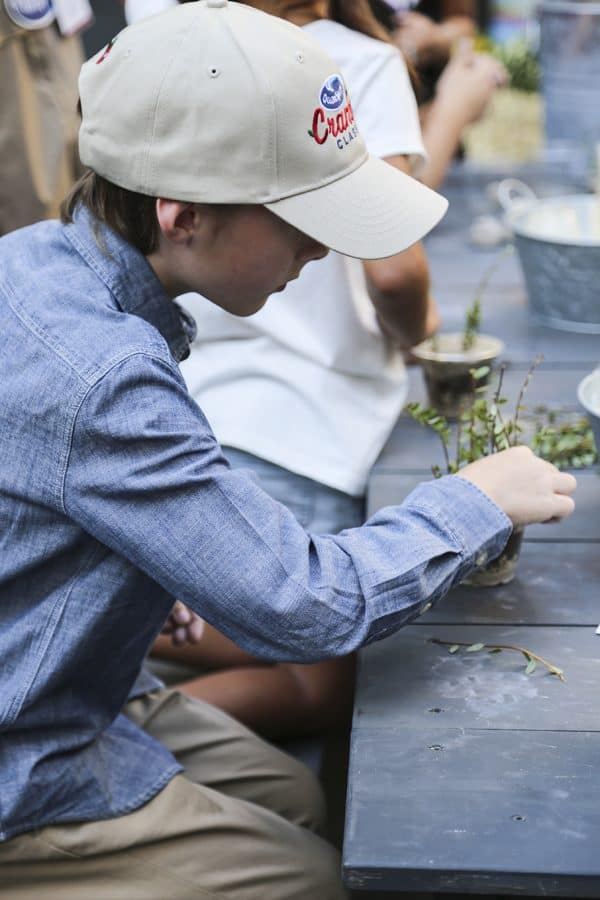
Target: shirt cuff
{"x":478,"y":524}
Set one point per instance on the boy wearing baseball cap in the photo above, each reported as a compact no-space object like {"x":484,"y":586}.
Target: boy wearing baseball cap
{"x":223,"y":156}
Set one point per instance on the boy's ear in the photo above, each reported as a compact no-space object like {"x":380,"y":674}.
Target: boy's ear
{"x":178,"y":221}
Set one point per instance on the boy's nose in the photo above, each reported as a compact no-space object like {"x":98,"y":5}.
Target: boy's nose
{"x":314,"y":250}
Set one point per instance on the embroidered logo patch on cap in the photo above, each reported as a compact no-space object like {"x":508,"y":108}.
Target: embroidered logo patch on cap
{"x":30,"y":14}
{"x":333,"y":93}
{"x":334,"y":116}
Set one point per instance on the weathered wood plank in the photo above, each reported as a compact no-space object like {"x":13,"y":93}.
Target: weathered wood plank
{"x":492,"y":812}
{"x":556,"y":584}
{"x":405,"y":677}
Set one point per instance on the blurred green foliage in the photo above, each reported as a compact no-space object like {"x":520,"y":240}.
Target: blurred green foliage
{"x":518,"y":59}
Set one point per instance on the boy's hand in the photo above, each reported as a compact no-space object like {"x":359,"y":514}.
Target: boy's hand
{"x":525,"y":487}
{"x":184,"y":626}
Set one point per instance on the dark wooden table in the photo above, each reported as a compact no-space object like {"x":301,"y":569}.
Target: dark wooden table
{"x":468,"y":776}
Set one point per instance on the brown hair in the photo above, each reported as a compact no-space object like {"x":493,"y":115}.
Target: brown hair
{"x":358,"y":15}
{"x":355,"y":14}
{"x":131,"y":215}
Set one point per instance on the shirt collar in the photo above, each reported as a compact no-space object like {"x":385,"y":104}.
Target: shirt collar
{"x":131,"y":280}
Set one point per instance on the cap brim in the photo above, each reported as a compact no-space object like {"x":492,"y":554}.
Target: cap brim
{"x":374,"y":212}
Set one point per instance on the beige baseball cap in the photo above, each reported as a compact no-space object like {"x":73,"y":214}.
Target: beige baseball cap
{"x":217,"y":102}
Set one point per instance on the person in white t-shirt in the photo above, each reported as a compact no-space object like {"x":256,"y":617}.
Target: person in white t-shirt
{"x":306,"y":392}
{"x":455,"y":84}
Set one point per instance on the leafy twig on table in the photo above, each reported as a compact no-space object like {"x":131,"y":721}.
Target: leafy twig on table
{"x":531,"y":657}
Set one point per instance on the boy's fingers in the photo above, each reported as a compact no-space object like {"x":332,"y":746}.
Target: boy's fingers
{"x":563,"y":506}
{"x":564,"y":483}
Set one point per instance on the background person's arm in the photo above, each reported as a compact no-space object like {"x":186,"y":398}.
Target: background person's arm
{"x":399,"y":289}
{"x":281,"y":700}
{"x":426,"y":41}
{"x":463,"y":92}
{"x":211,"y":650}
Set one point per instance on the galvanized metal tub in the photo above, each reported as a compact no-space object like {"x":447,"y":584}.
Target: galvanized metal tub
{"x":558,"y":240}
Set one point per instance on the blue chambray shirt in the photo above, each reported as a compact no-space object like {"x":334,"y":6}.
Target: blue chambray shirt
{"x":115,"y":498}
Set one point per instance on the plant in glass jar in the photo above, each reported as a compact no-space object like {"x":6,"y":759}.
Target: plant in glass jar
{"x":484,"y":428}
{"x":448,"y":359}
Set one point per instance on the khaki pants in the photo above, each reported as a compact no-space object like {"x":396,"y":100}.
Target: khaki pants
{"x":39,"y":121}
{"x":238,"y":825}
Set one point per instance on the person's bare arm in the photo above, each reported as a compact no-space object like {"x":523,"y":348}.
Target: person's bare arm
{"x":399,"y":288}
{"x":426,"y":42}
{"x":455,"y":26}
{"x":211,"y":650}
{"x":462,"y":94}
{"x":284,"y":700}
{"x":459,"y":8}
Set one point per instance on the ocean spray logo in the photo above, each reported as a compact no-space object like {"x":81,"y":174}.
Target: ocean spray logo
{"x":333,"y":93}
{"x":334,"y":115}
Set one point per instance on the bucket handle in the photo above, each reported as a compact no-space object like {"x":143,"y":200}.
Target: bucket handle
{"x":514,"y":195}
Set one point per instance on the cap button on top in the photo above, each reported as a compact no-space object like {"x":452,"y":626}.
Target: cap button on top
{"x":216,"y":3}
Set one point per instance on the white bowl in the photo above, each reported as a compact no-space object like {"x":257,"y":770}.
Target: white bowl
{"x":588,"y":394}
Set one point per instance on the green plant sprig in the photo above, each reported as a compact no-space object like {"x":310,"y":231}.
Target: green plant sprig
{"x":532,"y":659}
{"x":526,"y":382}
{"x":518,"y":58}
{"x":429,"y":417}
{"x":473,"y":314}
{"x":472,"y":324}
{"x":480,"y":431}
{"x":483,"y":429}
{"x":567,"y":444}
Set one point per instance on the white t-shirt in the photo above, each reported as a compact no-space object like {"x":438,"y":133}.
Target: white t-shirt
{"x":309,"y":382}
{"x":141,"y":9}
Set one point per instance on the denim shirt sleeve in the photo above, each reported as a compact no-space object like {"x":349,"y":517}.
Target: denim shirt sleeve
{"x":147,"y":478}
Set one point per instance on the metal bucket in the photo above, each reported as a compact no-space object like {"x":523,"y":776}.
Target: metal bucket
{"x":570,"y":58}
{"x":558,"y":240}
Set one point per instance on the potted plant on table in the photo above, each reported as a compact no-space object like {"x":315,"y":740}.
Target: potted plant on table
{"x":448,"y":360}
{"x":484,"y":428}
